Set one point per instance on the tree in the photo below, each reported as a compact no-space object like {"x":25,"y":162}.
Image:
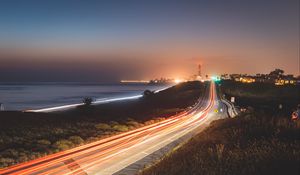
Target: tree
{"x":87,"y":101}
{"x":148,"y":93}
{"x":277,"y":73}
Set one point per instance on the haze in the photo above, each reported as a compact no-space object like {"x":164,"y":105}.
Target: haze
{"x":105,"y":41}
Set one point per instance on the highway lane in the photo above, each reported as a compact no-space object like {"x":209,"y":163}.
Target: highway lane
{"x":111,"y":155}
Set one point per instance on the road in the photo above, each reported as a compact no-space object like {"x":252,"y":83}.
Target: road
{"x":112,"y":155}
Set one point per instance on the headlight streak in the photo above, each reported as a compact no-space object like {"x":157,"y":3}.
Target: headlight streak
{"x":122,"y":135}
{"x":89,"y":158}
{"x":90,"y":155}
{"x":193,"y":119}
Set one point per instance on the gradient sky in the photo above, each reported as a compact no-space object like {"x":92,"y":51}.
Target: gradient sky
{"x":103,"y":41}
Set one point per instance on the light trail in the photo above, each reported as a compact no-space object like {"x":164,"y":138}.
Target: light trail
{"x":103,"y":141}
{"x":95,"y":156}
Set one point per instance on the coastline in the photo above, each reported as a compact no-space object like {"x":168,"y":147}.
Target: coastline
{"x":46,"y":133}
{"x":33,"y":96}
{"x":96,"y":102}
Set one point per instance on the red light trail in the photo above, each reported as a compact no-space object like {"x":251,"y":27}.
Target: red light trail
{"x":91,"y":157}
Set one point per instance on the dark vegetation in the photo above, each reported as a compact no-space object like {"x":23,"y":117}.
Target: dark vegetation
{"x":253,"y":143}
{"x":262,"y":96}
{"x":87,"y":101}
{"x":26,"y":136}
{"x":262,"y":140}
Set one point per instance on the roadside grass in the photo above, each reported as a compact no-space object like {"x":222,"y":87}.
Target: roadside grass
{"x":27,"y":136}
{"x":262,"y":96}
{"x":253,"y":143}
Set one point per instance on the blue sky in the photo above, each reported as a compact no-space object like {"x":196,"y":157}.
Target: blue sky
{"x":170,"y":36}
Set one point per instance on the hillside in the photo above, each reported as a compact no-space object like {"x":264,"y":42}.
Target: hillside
{"x":262,"y":140}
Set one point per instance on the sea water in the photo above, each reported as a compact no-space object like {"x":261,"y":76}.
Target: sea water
{"x":16,"y":96}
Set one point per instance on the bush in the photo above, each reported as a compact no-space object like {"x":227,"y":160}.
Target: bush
{"x":250,"y":144}
{"x":148,"y":93}
{"x":87,"y":101}
{"x":44,"y":142}
{"x":133,"y":123}
{"x":113,"y":123}
{"x":76,"y":140}
{"x":103,"y":126}
{"x":63,"y":144}
{"x":32,"y":135}
{"x":149,"y":122}
{"x":92,"y":139}
{"x":6,"y":161}
{"x":121,"y":128}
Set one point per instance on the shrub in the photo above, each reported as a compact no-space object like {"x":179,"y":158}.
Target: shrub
{"x":254,"y":144}
{"x":121,"y":128}
{"x":76,"y":140}
{"x":103,"y":126}
{"x":63,"y":144}
{"x":133,"y":123}
{"x":149,"y":122}
{"x":87,"y":101}
{"x":219,"y":149}
{"x":58,"y":131}
{"x":113,"y":123}
{"x":6,"y":161}
{"x":92,"y":139}
{"x":148,"y":93}
{"x":43,"y":142}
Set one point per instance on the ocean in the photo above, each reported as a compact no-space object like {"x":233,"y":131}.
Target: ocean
{"x":14,"y":96}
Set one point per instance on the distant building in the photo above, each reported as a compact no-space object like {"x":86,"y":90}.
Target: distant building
{"x":161,"y":81}
{"x":225,"y":77}
{"x":247,"y":79}
{"x":286,"y":80}
{"x":276,"y":77}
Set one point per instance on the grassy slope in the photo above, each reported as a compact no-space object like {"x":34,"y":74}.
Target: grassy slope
{"x":250,"y":144}
{"x":26,"y":136}
{"x":261,"y":141}
{"x":262,"y":96}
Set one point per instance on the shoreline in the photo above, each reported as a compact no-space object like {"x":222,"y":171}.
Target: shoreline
{"x":96,"y":102}
{"x":46,"y":98}
{"x":46,"y":133}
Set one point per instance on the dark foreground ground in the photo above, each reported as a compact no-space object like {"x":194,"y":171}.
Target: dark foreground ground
{"x":26,"y":136}
{"x":262,"y":140}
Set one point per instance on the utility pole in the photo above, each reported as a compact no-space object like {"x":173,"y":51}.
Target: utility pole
{"x":199,"y":70}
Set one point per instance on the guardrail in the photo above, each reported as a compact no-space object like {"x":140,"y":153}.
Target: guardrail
{"x":232,"y":112}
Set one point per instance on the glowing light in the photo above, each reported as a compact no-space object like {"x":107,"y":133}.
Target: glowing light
{"x":134,"y":81}
{"x":178,"y":80}
{"x":215,"y":78}
{"x":92,"y":154}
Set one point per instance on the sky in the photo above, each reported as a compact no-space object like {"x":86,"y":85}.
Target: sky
{"x":105,"y":41}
